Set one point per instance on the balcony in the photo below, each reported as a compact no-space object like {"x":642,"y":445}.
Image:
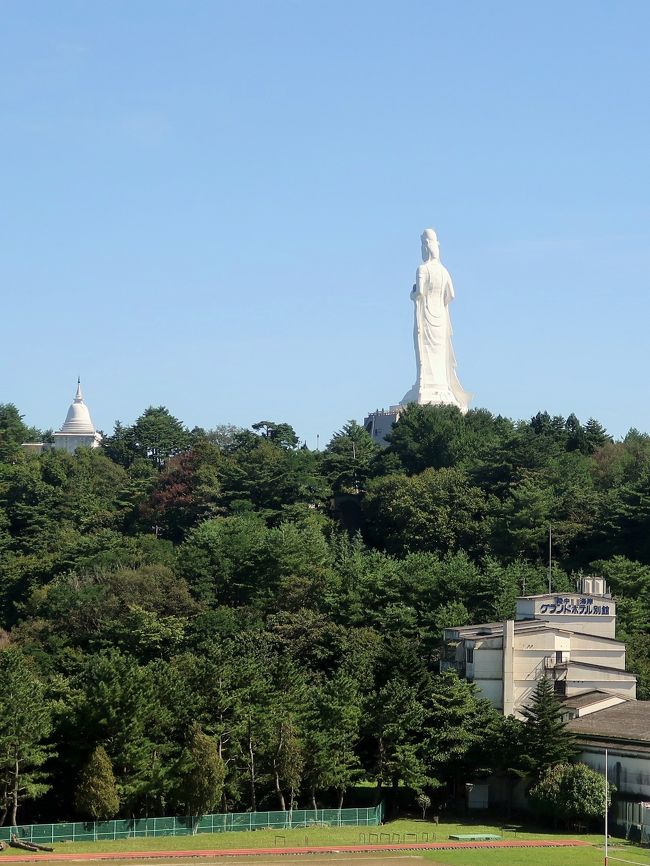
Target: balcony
{"x":559,"y":661}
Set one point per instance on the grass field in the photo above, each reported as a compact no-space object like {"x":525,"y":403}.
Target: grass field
{"x":353,"y":835}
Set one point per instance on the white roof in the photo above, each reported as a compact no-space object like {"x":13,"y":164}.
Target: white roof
{"x":78,"y":419}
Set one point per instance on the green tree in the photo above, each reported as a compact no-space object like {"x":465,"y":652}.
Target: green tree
{"x":223,"y":436}
{"x":13,"y":432}
{"x":456,"y":720}
{"x":223,"y":558}
{"x":200,"y":773}
{"x":548,"y":742}
{"x":96,"y":795}
{"x":25,"y":725}
{"x":399,"y":754}
{"x":451,"y":614}
{"x":423,"y":802}
{"x":428,"y":437}
{"x":155,"y":436}
{"x":441,"y":436}
{"x":280,"y":434}
{"x":439,"y":510}
{"x":624,"y":518}
{"x":287,"y":760}
{"x":267,"y":475}
{"x":332,"y":733}
{"x":571,"y":792}
{"x":143,"y":611}
{"x":348,"y":459}
{"x":115,"y":703}
{"x":504,"y":747}
{"x":595,"y":435}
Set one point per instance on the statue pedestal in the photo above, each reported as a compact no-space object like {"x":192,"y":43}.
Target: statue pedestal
{"x":435,"y":395}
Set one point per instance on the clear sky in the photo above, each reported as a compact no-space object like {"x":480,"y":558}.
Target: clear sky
{"x":216,"y":206}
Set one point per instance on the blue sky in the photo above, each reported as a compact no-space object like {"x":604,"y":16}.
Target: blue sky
{"x":217,"y":206}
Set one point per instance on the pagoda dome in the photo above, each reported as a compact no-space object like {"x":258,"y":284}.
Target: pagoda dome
{"x":78,"y":419}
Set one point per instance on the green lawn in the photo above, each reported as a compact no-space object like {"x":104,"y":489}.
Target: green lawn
{"x":353,"y":835}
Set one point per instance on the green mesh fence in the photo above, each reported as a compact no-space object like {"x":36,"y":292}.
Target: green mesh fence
{"x":92,"y":831}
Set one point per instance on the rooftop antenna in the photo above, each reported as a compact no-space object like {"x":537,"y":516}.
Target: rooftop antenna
{"x":550,"y":557}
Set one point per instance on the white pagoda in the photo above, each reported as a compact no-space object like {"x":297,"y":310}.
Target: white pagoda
{"x":78,"y":429}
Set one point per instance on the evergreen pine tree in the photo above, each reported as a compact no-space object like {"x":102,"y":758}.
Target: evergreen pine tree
{"x":349,"y":457}
{"x":546,"y":737}
{"x":25,"y":725}
{"x":13,"y":432}
{"x":96,"y":796}
{"x":595,"y":434}
{"x":201,"y":773}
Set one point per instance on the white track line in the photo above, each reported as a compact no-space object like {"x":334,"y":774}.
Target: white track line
{"x":618,"y":860}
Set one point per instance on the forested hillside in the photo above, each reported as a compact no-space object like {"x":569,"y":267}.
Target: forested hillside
{"x":226,"y":600}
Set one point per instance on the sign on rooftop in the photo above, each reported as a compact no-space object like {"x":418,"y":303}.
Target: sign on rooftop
{"x":580,"y":606}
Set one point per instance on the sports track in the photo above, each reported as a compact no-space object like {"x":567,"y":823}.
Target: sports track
{"x":400,"y":854}
{"x":305,"y":859}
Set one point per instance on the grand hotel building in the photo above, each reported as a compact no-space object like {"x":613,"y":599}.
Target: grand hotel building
{"x":571,"y":639}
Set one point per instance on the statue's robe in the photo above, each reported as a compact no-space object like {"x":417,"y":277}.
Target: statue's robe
{"x":437,"y":380}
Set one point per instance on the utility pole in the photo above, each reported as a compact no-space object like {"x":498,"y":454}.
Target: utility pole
{"x":606,"y":810}
{"x":550,"y":557}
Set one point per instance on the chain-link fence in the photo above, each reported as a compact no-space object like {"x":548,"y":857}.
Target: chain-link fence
{"x":93,"y":831}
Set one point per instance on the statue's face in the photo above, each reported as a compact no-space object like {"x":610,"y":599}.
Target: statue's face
{"x":430,"y":248}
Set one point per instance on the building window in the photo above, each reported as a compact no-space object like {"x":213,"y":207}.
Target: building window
{"x":559,"y":687}
{"x":469,"y":655}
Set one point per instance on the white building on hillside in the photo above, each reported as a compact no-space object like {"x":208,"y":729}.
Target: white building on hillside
{"x":380,"y":423}
{"x":569,"y":637}
{"x":78,"y":430}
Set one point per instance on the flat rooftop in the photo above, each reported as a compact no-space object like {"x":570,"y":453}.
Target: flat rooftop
{"x":495,"y":629}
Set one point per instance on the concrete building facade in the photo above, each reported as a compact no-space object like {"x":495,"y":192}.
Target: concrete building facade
{"x":571,"y":639}
{"x":380,"y":423}
{"x":567,"y":637}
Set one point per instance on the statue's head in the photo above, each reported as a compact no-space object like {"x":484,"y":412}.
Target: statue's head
{"x":430,"y":245}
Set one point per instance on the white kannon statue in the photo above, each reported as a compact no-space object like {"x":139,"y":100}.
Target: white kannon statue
{"x":436,"y":380}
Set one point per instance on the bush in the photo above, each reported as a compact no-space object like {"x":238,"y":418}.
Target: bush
{"x":572,"y":792}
